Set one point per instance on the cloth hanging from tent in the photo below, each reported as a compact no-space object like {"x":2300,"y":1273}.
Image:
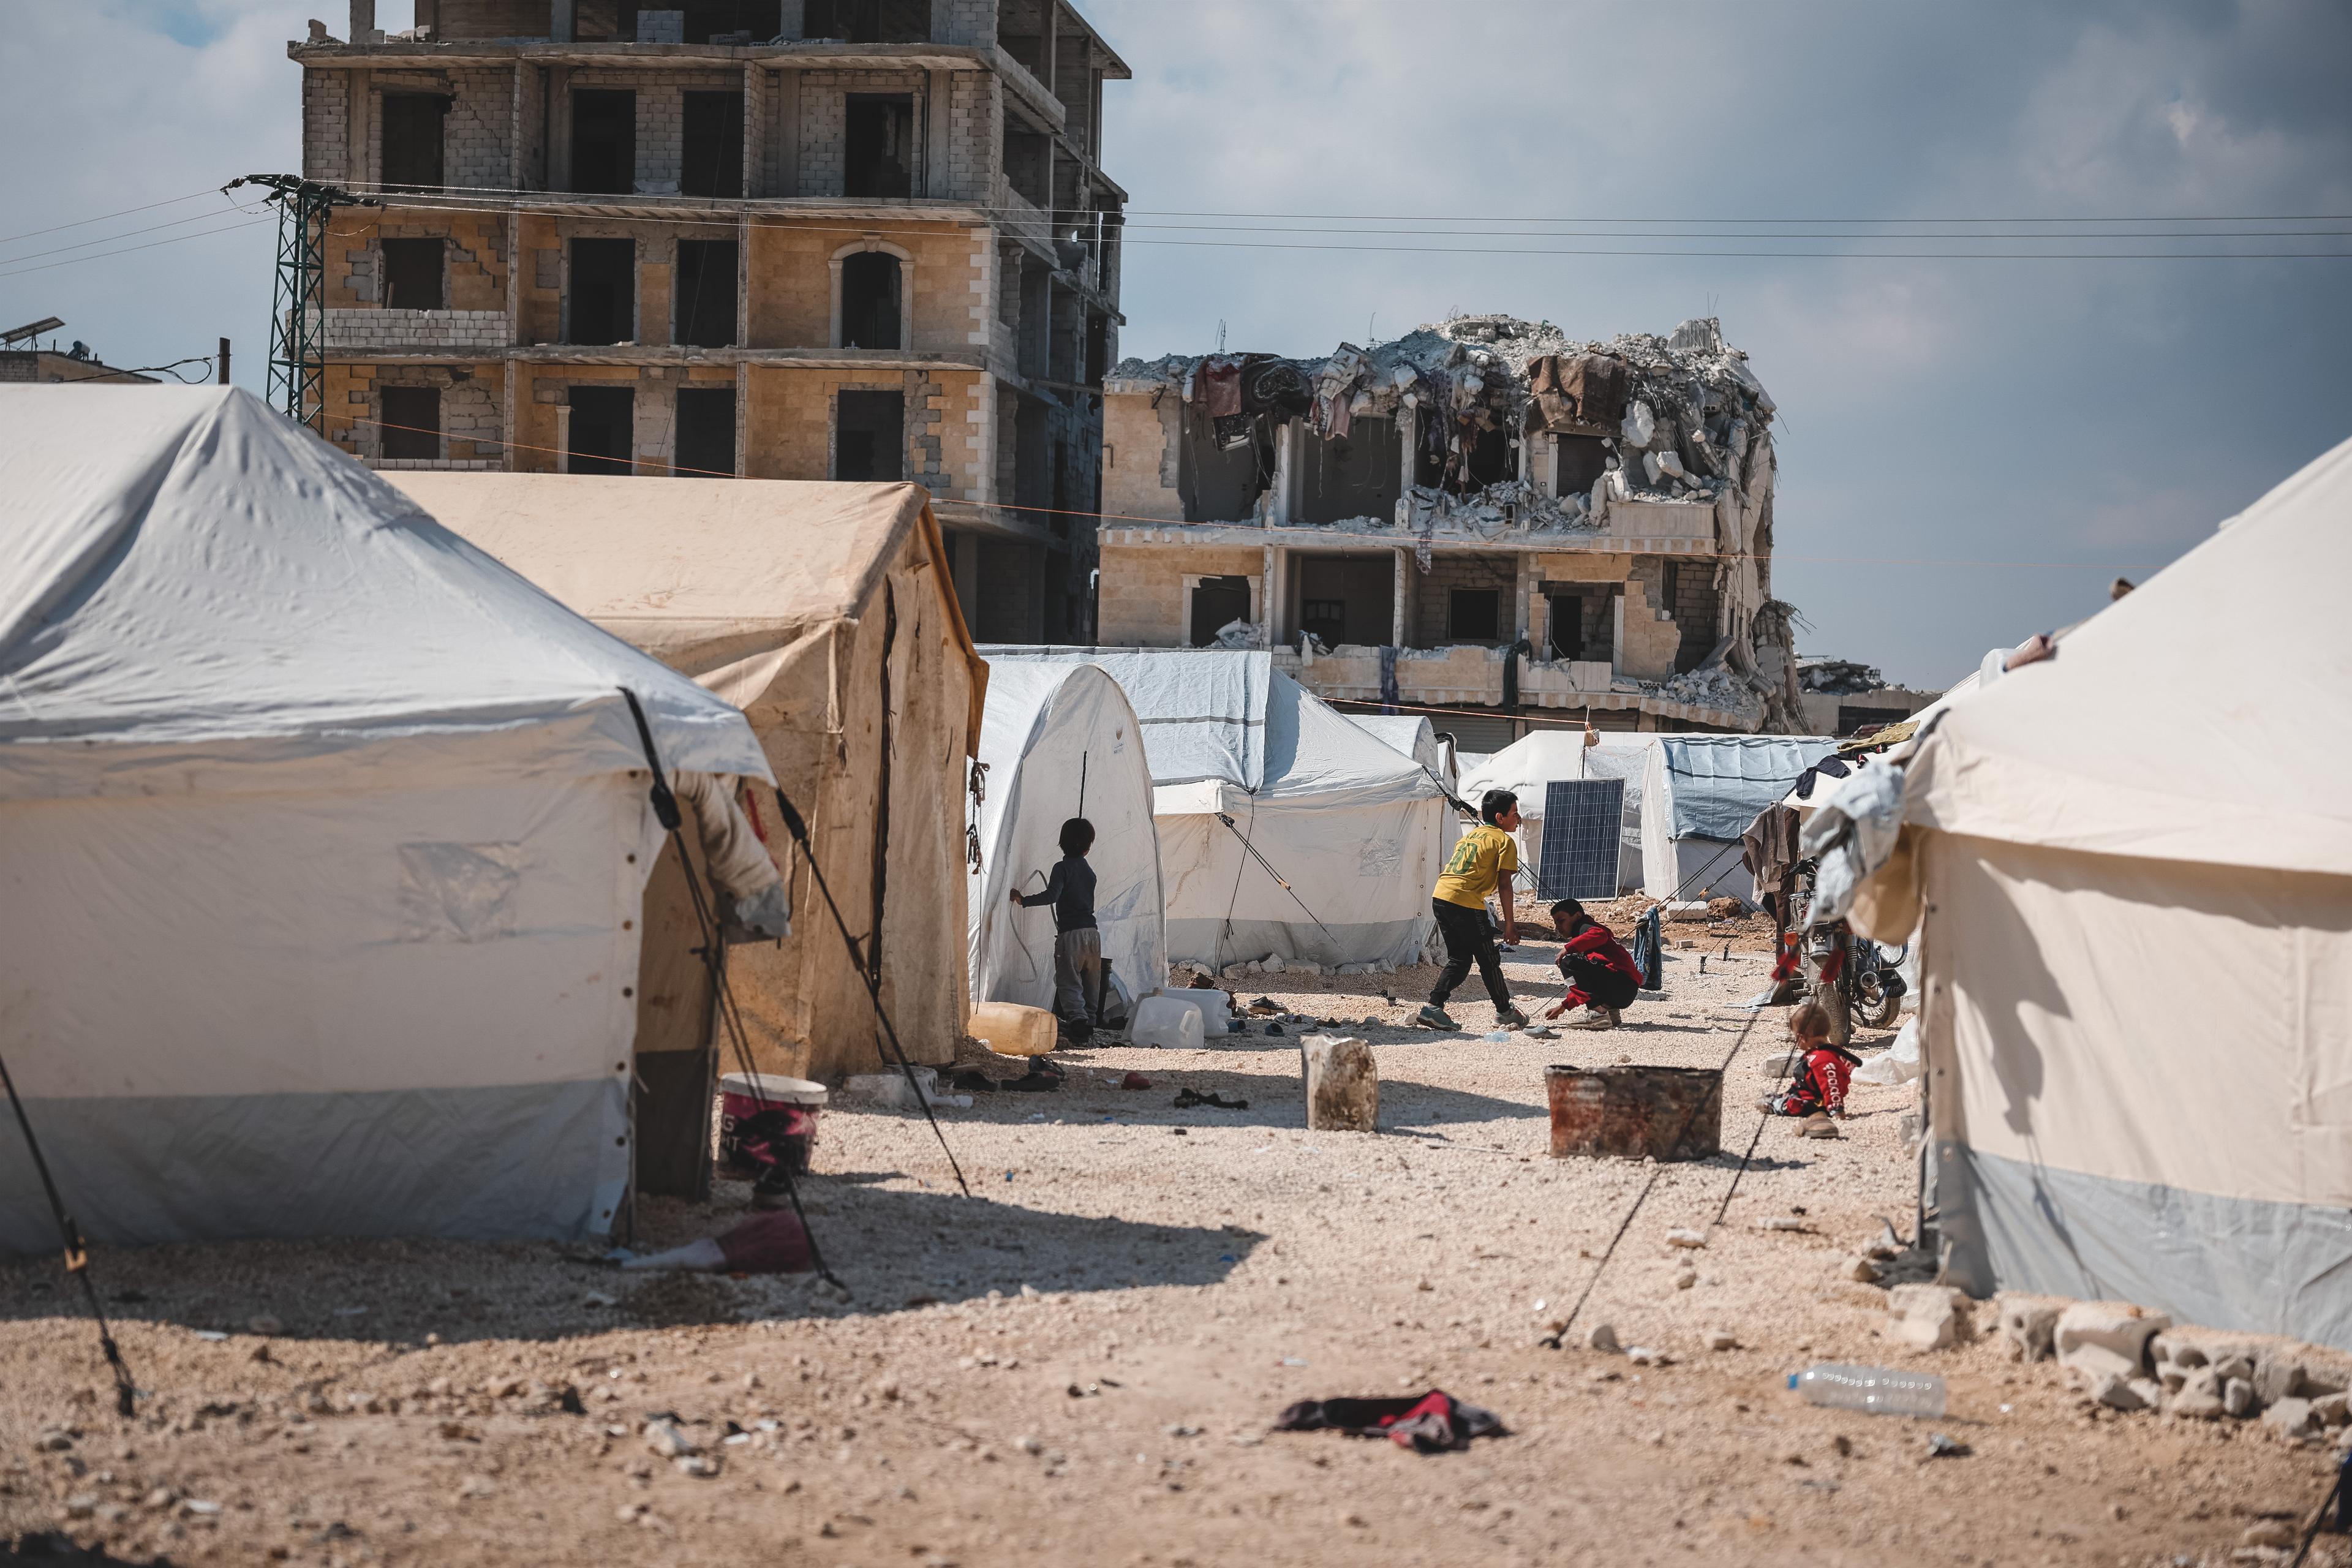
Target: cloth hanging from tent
{"x":1850,"y":834}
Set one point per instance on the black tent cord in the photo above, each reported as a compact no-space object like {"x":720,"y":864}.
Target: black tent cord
{"x":77,"y":1253}
{"x":666,"y":807}
{"x":665,"y":811}
{"x":1558,"y":1337}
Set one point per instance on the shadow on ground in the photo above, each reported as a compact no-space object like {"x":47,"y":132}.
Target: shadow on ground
{"x":892,"y":1246}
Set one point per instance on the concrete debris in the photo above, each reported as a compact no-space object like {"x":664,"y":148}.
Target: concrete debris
{"x":1686,"y":1238}
{"x":2100,"y":1339}
{"x":2126,"y":1393}
{"x":1603,"y":1337}
{"x":2029,"y":1327}
{"x":1861,"y":1270}
{"x":2198,"y":1396}
{"x":668,"y":1440}
{"x":1722,"y":1340}
{"x":1343,"y":1084}
{"x":1836,"y":676}
{"x":1929,"y":1317}
{"x":2238,"y":1398}
{"x":2292,"y":1417}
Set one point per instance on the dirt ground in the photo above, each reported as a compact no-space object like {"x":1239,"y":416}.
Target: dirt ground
{"x":1078,"y":1364}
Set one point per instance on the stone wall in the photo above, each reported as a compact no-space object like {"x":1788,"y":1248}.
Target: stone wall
{"x":1142,"y":600}
{"x":1432,"y":590}
{"x":1140,"y":479}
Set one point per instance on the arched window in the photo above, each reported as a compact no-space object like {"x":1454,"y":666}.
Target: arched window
{"x":871,"y":286}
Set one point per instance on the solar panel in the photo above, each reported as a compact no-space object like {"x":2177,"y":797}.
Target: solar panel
{"x":1580,"y":838}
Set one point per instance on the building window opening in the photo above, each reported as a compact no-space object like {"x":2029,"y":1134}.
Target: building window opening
{"x":1670,"y":573}
{"x":705,"y":447}
{"x":1025,"y":155}
{"x":868,"y":21}
{"x":735,"y":22}
{"x":869,"y":300}
{"x":602,"y":306}
{"x":1567,"y":618}
{"x":411,"y":419}
{"x":879,"y":157}
{"x":1578,"y":463}
{"x":412,"y":274}
{"x":1217,"y":603}
{"x":1491,"y":458}
{"x":704,"y":282}
{"x":1346,"y":598}
{"x":604,"y":430}
{"x":1097,"y":349}
{"x":868,"y":442}
{"x":603,"y":141}
{"x":1353,"y":475}
{"x":711,"y":157}
{"x":1223,"y":465}
{"x":1471,"y":614}
{"x":411,"y":153}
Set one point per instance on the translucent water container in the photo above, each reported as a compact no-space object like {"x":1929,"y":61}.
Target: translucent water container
{"x":1873,"y":1390}
{"x":1167,"y":1023}
{"x":1012,"y":1030}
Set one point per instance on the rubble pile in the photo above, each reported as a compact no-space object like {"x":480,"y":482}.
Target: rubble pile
{"x":2130,"y":1360}
{"x":1681,"y":418}
{"x":1836,"y":676}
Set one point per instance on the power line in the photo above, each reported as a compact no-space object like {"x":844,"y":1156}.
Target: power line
{"x":81,"y":222}
{"x":77,"y":260}
{"x":126,"y":234}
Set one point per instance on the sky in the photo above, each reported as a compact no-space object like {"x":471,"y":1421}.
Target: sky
{"x":1970,"y":450}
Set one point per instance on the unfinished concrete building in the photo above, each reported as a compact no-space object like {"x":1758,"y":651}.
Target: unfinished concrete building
{"x":800,"y":240}
{"x":1485,"y":518}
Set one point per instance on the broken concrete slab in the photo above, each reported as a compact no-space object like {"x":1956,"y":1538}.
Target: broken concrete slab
{"x":2099,"y":1339}
{"x":2199,"y":1397}
{"x":1929,"y":1317}
{"x":2292,"y":1417}
{"x":2029,"y":1326}
{"x":1343,"y":1084}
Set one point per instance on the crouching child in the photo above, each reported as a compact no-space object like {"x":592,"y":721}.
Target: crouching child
{"x":1601,"y":976}
{"x":1823,"y":1071}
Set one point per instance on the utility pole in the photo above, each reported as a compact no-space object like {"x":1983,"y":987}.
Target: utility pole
{"x":297,"y":359}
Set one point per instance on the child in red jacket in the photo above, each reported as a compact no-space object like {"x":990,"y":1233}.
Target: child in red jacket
{"x":1601,"y":976}
{"x":1821,"y":1078}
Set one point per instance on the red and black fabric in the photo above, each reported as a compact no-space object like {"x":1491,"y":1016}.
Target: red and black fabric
{"x":1428,"y":1423}
{"x":1821,"y":1084}
{"x":1600,"y":972}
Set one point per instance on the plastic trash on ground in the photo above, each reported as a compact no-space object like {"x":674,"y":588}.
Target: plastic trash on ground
{"x":1167,"y":1022}
{"x":1873,"y":1390}
{"x":770,"y":1243}
{"x":1899,"y":1063}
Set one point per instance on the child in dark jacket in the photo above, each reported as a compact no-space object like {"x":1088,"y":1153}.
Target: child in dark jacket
{"x":1601,"y":976}
{"x":1078,"y":944}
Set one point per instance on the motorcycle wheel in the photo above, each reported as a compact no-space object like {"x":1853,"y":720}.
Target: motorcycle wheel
{"x":1874,"y":1007}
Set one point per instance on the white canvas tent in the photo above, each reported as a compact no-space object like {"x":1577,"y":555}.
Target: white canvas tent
{"x":2138,"y":1010}
{"x":323,"y":837}
{"x":1699,"y":793}
{"x":1536,"y":759}
{"x":1251,"y":771}
{"x":1059,"y":740}
{"x":1413,"y":735}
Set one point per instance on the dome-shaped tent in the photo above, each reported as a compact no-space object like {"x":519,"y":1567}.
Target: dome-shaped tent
{"x":1059,"y":740}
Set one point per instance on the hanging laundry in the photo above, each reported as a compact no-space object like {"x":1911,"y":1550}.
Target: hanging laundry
{"x":1217,"y":385}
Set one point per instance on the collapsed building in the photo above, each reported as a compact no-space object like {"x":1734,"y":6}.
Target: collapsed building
{"x":1844,"y":697}
{"x":863,"y":240}
{"x":1485,"y":514}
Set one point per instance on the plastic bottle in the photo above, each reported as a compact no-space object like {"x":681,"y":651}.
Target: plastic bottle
{"x":1873,"y":1390}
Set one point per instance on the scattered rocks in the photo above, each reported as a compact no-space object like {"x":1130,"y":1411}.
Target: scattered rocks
{"x":1686,"y":1238}
{"x":2198,"y":1398}
{"x":2291,"y":1417}
{"x":1860,"y":1269}
{"x":2238,"y":1398}
{"x":1603,"y":1337}
{"x":1686,"y":1277}
{"x":1645,"y":1355}
{"x":1722,"y":1340}
{"x":2278,"y":1533}
{"x":2126,"y":1393}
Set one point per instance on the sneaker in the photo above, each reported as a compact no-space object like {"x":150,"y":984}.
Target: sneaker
{"x":1818,"y":1125}
{"x":1767,"y":1103}
{"x":1433,"y":1016}
{"x":1510,"y":1018}
{"x":1594,"y":1018}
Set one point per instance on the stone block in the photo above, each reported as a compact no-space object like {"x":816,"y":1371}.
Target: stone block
{"x":1928,"y":1317}
{"x":1343,"y":1084}
{"x":2292,"y":1417}
{"x":2199,"y":1397}
{"x":2100,"y":1339}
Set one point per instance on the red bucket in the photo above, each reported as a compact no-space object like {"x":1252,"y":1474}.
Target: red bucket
{"x":767,"y":1119}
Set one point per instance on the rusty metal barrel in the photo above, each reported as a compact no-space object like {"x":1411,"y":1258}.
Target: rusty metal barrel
{"x":1665,"y":1113}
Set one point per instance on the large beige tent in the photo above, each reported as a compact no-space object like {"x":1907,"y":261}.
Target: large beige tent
{"x":784,"y":598}
{"x":2135,"y":860}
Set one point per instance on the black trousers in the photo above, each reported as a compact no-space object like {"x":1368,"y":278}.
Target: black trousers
{"x":1469,"y":938}
{"x":1592,"y":981}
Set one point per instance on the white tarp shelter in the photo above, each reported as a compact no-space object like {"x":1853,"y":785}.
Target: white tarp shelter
{"x":1059,"y":740}
{"x":1536,"y":759}
{"x":2138,"y":1010}
{"x":322,"y":842}
{"x":1246,"y":764}
{"x":1699,"y":793}
{"x":1416,"y":736}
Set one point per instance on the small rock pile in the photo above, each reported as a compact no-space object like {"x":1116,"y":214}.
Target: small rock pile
{"x":2130,"y":1360}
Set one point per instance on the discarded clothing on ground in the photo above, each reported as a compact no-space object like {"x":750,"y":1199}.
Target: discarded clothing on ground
{"x":1426,"y":1423}
{"x":1188,"y":1097}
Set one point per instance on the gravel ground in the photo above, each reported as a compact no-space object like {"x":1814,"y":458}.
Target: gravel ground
{"x":1079,"y":1364}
